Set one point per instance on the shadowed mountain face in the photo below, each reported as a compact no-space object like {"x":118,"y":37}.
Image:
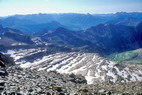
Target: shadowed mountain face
{"x":139,"y":32}
{"x":11,"y":37}
{"x":103,"y":38}
{"x":113,"y":38}
{"x":62,"y":36}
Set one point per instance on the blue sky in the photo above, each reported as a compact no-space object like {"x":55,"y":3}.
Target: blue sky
{"x":10,"y":7}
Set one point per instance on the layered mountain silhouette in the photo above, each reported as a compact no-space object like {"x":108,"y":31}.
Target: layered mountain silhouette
{"x":72,"y":21}
{"x":103,"y":38}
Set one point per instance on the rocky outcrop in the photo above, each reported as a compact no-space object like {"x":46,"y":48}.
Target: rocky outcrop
{"x":3,"y":72}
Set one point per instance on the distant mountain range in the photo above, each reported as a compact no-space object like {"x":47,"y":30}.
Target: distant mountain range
{"x":72,"y":21}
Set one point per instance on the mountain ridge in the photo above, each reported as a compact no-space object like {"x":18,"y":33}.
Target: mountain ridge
{"x":72,"y":21}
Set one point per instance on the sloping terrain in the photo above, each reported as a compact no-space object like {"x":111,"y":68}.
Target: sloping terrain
{"x":128,"y":57}
{"x":13,"y":37}
{"x":102,"y":39}
{"x":58,"y":54}
{"x":30,"y":81}
{"x":69,"y":52}
{"x":26,"y":81}
{"x":92,"y":66}
{"x":113,"y":38}
{"x":5,"y":61}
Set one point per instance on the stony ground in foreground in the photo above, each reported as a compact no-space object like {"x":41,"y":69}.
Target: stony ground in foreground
{"x":30,"y":82}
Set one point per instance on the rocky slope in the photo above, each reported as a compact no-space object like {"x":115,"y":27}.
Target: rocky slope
{"x":30,"y":82}
{"x":96,"y":69}
{"x":69,"y":73}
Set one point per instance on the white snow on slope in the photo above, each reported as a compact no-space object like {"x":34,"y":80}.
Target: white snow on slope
{"x":92,"y":66}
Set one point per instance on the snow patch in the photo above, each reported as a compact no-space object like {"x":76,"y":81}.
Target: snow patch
{"x":89,"y":79}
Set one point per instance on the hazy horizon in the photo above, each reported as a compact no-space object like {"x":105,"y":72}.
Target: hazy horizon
{"x":13,"y":7}
{"x":70,"y":13}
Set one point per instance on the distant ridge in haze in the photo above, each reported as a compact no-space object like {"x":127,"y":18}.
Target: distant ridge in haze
{"x":72,"y":21}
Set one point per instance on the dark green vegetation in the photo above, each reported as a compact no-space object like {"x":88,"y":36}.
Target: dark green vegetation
{"x":128,"y":57}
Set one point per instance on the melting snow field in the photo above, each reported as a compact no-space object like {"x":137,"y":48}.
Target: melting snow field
{"x":90,"y":65}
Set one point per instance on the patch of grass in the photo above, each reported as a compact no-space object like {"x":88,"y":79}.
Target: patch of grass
{"x":128,"y":57}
